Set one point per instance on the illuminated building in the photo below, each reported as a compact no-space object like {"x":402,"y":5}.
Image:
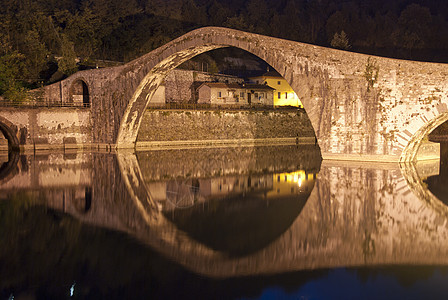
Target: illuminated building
{"x":218,"y":93}
{"x":283,"y":92}
{"x":292,"y":183}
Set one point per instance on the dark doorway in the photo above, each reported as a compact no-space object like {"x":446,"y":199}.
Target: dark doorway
{"x":80,"y":94}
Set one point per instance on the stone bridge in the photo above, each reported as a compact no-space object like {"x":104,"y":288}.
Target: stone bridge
{"x":361,"y":107}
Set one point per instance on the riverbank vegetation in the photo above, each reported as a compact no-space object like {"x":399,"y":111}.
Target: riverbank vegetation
{"x":42,"y":41}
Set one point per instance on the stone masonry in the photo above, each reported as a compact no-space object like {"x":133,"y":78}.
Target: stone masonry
{"x":179,"y":125}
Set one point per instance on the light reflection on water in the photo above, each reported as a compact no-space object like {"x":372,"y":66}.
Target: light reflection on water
{"x":257,"y":222}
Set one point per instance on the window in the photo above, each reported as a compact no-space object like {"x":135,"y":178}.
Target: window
{"x":242,"y":95}
{"x":278,"y":82}
{"x":279,"y":95}
{"x":286,"y":95}
{"x":219,"y":94}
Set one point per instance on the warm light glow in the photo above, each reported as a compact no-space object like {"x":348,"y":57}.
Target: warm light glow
{"x":288,"y":183}
{"x":284,"y":95}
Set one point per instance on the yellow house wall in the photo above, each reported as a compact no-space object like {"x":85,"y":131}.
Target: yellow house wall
{"x":282,"y":88}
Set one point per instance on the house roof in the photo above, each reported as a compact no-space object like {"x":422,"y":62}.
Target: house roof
{"x":222,"y":85}
{"x":248,"y":86}
{"x":254,"y":86}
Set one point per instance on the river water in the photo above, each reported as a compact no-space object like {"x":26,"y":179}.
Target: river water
{"x":267,"y":222}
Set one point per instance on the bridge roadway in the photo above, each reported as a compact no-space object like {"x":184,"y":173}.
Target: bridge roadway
{"x":358,"y":214}
{"x":361,"y":107}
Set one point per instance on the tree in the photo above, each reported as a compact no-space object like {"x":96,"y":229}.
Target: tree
{"x":36,"y":55}
{"x":340,"y":41}
{"x":258,"y":15}
{"x":67,"y":64}
{"x":82,"y":30}
{"x":217,"y":13}
{"x":335,"y":23}
{"x":193,"y":13}
{"x":414,"y":27}
{"x":12,"y":65}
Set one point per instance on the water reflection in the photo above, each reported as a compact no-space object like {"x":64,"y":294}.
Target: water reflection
{"x":274,"y":212}
{"x":437,"y":184}
{"x":238,"y":215}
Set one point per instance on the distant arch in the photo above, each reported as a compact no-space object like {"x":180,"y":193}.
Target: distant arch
{"x":9,"y":169}
{"x":411,"y":149}
{"x":79,"y":93}
{"x":9,"y":132}
{"x":83,"y":204}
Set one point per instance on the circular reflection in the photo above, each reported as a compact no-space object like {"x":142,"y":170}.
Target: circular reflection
{"x":9,"y":168}
{"x":239,"y":216}
{"x":437,"y":184}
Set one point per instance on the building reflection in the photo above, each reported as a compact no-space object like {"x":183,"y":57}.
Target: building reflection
{"x":182,"y":193}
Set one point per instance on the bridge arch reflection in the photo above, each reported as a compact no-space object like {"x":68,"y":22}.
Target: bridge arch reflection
{"x":8,"y":129}
{"x":358,"y":214}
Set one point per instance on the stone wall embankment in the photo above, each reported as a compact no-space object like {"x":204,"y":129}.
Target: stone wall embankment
{"x":188,"y":127}
{"x":49,"y":128}
{"x":211,"y":162}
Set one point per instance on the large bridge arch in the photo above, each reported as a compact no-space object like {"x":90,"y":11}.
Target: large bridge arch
{"x":361,"y":107}
{"x":199,"y":41}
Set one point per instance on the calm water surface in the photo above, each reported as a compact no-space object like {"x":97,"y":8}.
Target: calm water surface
{"x":271,"y":222}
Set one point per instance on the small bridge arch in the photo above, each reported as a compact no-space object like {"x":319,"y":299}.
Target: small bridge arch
{"x":421,"y":127}
{"x":79,"y":93}
{"x":9,"y":131}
